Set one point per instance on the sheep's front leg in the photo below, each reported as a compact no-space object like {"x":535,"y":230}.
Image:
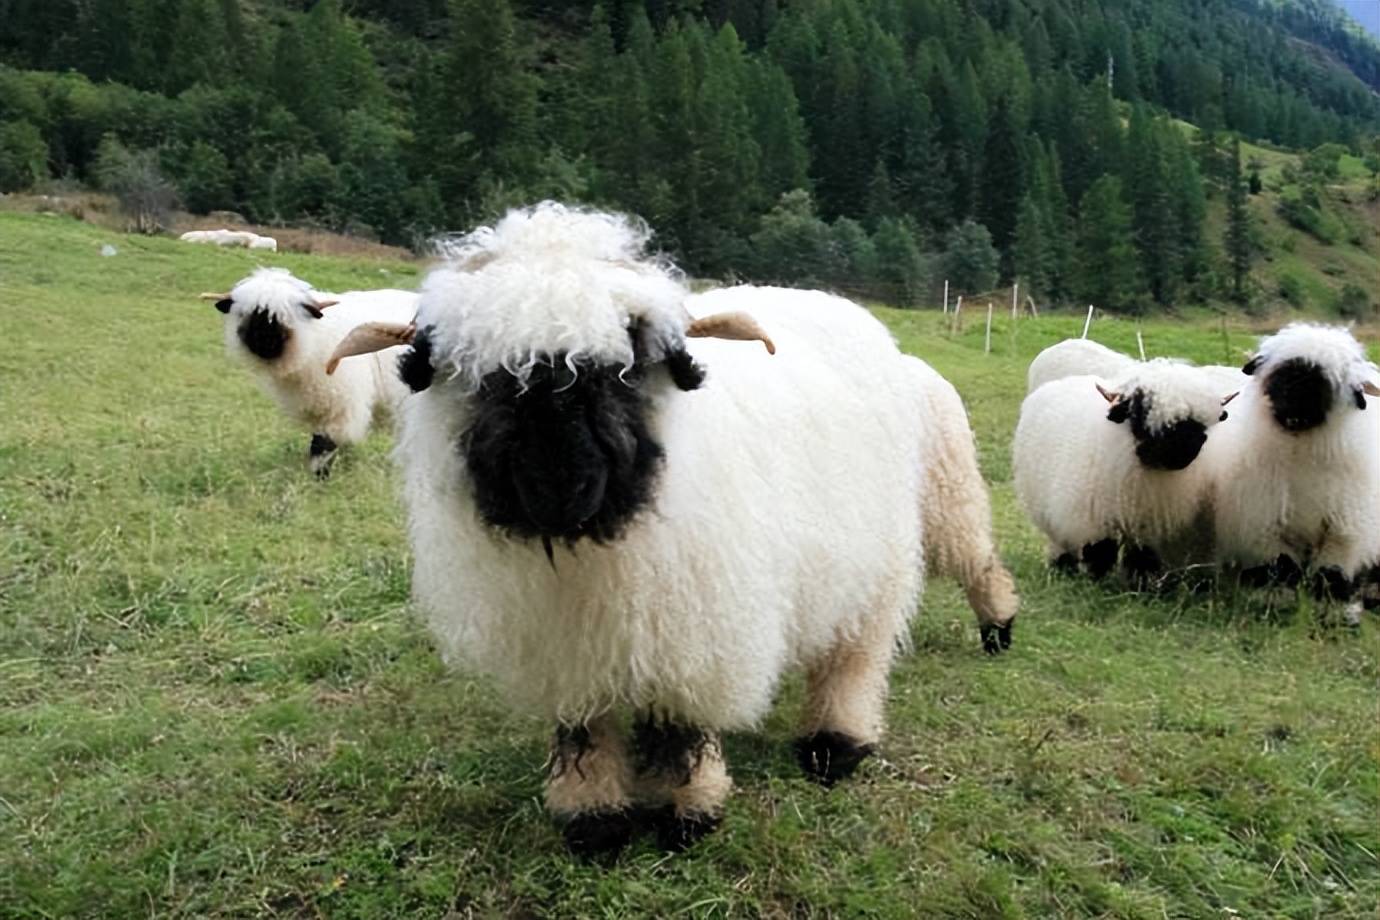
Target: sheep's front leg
{"x":680,"y":771}
{"x":846,"y":696}
{"x":321,"y":455}
{"x":587,"y":787}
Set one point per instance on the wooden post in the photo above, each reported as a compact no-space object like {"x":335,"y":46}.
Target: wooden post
{"x":1141,"y":343}
{"x":958,"y":307}
{"x":946,"y":296}
{"x":1015,"y":298}
{"x":987,"y":347}
{"x":1034,"y":310}
{"x":1087,"y":323}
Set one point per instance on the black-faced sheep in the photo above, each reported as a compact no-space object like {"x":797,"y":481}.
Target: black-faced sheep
{"x":1296,"y":470}
{"x":610,"y":511}
{"x":1102,"y":466}
{"x":285,"y":331}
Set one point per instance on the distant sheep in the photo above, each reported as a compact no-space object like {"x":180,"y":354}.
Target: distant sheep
{"x":1102,"y":465}
{"x":610,"y":508}
{"x":1296,"y":470}
{"x":957,"y":510}
{"x":1073,"y":357}
{"x":230,"y":238}
{"x":285,"y":331}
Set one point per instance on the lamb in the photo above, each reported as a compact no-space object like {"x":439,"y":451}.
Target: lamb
{"x":957,"y":510}
{"x":1076,"y":356}
{"x":1100,"y":465}
{"x":1296,"y":471}
{"x":612,"y":509}
{"x":284,"y":331}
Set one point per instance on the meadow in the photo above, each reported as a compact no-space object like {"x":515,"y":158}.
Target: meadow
{"x":214,"y":701}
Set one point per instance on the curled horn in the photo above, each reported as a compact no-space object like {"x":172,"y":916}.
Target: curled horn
{"x":1227,"y":399}
{"x":368,"y":338}
{"x":734,"y":325}
{"x":323,"y":304}
{"x":1370,"y":389}
{"x":208,"y":295}
{"x":1106,"y":394}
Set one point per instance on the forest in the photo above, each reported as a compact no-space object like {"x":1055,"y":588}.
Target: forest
{"x":873,"y":146}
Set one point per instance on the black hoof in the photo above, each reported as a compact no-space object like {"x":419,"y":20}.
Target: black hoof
{"x":1371,"y":603}
{"x":996,"y":637}
{"x":677,"y":833}
{"x":827,"y":757}
{"x":598,"y":834}
{"x":1331,"y":583}
{"x":1065,"y":564}
{"x":1142,"y":565}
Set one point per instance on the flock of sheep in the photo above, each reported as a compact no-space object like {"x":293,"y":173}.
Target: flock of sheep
{"x":1271,"y":472}
{"x":625,"y":499}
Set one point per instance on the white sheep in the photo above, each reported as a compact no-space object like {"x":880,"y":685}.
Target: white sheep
{"x":285,"y":331}
{"x":1073,"y":357}
{"x":264,"y":242}
{"x":598,"y":531}
{"x":957,"y":510}
{"x":1102,"y":464}
{"x":1296,"y":470}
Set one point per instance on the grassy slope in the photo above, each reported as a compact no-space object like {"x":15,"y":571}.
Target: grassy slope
{"x":212,"y":701}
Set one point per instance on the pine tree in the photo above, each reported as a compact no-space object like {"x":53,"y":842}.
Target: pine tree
{"x":1106,"y":259}
{"x":1147,"y":182}
{"x":1002,"y":182}
{"x":1031,"y":255}
{"x":1238,"y":232}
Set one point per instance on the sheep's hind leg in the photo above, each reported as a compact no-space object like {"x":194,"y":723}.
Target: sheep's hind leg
{"x":680,"y":772}
{"x":587,"y":787}
{"x":846,"y":696}
{"x":321,"y":455}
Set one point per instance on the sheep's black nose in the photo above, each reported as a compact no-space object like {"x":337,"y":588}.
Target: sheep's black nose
{"x":1173,"y":448}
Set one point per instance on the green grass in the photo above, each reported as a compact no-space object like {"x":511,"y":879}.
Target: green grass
{"x":213,"y":700}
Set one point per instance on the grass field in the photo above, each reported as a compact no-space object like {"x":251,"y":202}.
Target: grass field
{"x":214,"y":702}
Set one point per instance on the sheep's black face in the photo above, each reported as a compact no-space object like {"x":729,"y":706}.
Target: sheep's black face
{"x":263,"y":335}
{"x":569,"y":455}
{"x":1171,"y":447}
{"x":1300,"y":395}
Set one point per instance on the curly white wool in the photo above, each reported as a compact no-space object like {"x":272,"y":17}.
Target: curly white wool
{"x":547,"y":280}
{"x":1073,"y":357}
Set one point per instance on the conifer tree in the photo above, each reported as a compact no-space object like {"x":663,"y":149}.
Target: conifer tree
{"x":1106,"y":259}
{"x":1238,"y":232}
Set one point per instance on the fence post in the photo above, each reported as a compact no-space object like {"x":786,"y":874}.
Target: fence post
{"x":1087,"y":323}
{"x":987,"y":347}
{"x":946,"y":296}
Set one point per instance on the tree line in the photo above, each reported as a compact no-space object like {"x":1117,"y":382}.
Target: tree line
{"x":871,"y":145}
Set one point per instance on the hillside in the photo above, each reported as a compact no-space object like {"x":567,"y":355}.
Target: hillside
{"x":874,"y":146}
{"x":215,"y":702}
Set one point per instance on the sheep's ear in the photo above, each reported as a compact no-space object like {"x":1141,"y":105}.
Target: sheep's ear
{"x":222,"y":301}
{"x":685,"y":372}
{"x":368,"y":338}
{"x":1360,"y":396}
{"x":314,"y":307}
{"x":1253,"y":365}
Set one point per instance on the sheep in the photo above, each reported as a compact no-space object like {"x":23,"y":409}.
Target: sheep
{"x":284,"y":331}
{"x":957,"y":511}
{"x":224,"y":237}
{"x":612,"y":509}
{"x":1074,"y":357}
{"x":1296,"y":471}
{"x":1104,"y":465}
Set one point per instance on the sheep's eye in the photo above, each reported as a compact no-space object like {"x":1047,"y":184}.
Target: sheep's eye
{"x":1223,"y":417}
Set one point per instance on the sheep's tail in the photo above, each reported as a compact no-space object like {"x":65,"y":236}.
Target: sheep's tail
{"x":957,"y":509}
